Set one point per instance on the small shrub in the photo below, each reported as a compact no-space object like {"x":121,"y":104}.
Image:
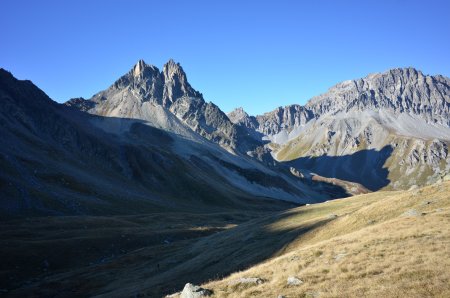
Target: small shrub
{"x":375,"y":272}
{"x":318,"y":253}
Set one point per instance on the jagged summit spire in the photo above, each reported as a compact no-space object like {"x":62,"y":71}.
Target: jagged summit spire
{"x":175,"y":83}
{"x":172,"y":68}
{"x":239,"y":111}
{"x":139,"y":67}
{"x":172,"y":62}
{"x":147,"y":83}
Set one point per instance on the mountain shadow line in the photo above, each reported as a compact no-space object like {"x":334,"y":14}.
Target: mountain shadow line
{"x":365,"y":166}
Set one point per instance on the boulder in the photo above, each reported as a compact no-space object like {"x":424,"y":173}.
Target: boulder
{"x":294,"y":281}
{"x":193,"y":291}
{"x":413,"y":212}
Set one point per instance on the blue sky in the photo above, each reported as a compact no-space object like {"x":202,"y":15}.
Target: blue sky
{"x":254,"y":54}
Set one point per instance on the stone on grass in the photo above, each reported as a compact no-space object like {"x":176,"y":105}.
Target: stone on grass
{"x":339,"y":256}
{"x":446,"y":177}
{"x":294,"y":281}
{"x":413,"y":212}
{"x":247,"y":280}
{"x":193,"y":291}
{"x":312,"y":294}
{"x":413,"y":187}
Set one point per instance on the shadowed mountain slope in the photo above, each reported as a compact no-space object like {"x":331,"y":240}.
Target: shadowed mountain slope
{"x":57,"y":160}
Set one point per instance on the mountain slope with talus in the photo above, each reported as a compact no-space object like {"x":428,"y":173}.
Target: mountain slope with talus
{"x":130,"y":153}
{"x":389,"y":129}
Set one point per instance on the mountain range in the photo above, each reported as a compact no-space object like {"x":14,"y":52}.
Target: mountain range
{"x":151,"y":142}
{"x":387,"y":130}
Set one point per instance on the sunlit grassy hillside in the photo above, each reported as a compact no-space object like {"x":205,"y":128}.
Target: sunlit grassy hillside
{"x":384,"y":244}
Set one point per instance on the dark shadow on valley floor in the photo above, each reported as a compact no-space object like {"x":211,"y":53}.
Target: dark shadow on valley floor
{"x":176,"y":251}
{"x":365,"y":167}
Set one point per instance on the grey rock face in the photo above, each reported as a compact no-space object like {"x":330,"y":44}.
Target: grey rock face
{"x":176,"y":84}
{"x":148,"y":83}
{"x":422,"y":153}
{"x":283,"y":118}
{"x":400,"y":90}
{"x":206,"y":119}
{"x":239,"y":116}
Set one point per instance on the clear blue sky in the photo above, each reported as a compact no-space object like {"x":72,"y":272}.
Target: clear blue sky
{"x":254,"y":54}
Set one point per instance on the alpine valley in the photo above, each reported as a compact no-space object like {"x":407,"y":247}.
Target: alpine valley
{"x":146,"y":187}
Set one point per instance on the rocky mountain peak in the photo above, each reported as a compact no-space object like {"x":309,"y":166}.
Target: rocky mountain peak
{"x":240,"y":117}
{"x":176,"y":84}
{"x":237,"y":115}
{"x":144,"y":78}
{"x":138,"y":69}
{"x":143,"y":71}
{"x":173,"y":71}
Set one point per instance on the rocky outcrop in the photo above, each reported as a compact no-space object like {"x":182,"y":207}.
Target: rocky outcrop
{"x":422,"y":152}
{"x":239,"y":116}
{"x":401,"y":90}
{"x":285,"y":118}
{"x":175,"y":84}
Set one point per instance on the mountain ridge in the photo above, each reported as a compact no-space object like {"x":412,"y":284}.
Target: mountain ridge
{"x":169,"y":88}
{"x":290,"y":113}
{"x":151,"y":110}
{"x":370,"y":113}
{"x":400,"y":108}
{"x":57,"y":160}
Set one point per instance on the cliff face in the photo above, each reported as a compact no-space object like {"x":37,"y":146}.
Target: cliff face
{"x":400,"y":90}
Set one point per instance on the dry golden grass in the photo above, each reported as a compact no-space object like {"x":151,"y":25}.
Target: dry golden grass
{"x":370,"y":250}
